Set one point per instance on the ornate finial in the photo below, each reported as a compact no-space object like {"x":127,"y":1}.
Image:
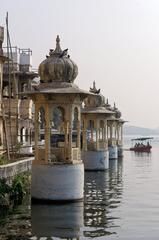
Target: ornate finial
{"x":107,"y":105}
{"x":57,"y":39}
{"x":58,"y":48}
{"x":94,"y":85}
{"x":115,"y":108}
{"x":94,"y":89}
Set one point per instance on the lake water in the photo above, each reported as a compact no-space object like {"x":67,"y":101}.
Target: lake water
{"x":122,"y":203}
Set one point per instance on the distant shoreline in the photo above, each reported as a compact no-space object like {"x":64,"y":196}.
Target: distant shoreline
{"x":133,"y":130}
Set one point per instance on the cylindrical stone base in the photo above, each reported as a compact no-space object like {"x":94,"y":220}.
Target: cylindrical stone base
{"x":120,"y":151}
{"x":95,"y":160}
{"x":113,"y":152}
{"x":60,"y":220}
{"x":63,"y":182}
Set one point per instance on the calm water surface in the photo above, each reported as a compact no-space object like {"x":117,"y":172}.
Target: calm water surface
{"x":122,"y":203}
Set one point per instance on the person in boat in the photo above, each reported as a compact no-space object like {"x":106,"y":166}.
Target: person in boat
{"x":137,"y":145}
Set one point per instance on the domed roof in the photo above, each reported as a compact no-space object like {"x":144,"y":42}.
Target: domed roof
{"x":96,"y":99}
{"x":100,"y":100}
{"x":58,"y":67}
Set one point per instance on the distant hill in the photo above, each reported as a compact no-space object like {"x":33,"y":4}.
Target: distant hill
{"x":132,"y":130}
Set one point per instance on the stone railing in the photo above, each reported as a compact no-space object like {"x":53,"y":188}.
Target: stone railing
{"x":12,"y":169}
{"x":112,"y":142}
{"x":103,"y":145}
{"x":92,"y":145}
{"x":57,"y":155}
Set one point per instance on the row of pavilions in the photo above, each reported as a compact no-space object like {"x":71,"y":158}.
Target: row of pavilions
{"x":70,"y":136}
{"x":73,"y":129}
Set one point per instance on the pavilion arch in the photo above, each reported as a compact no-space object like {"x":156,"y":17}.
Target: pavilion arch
{"x":41,"y":123}
{"x":6,"y":91}
{"x":32,"y":133}
{"x":101,"y":124}
{"x":91,"y":124}
{"x":90,"y":137}
{"x":22,"y":135}
{"x":108,"y":131}
{"x":41,"y":116}
{"x":101,"y":129}
{"x":58,"y":117}
{"x":113,"y":130}
{"x":24,"y":87}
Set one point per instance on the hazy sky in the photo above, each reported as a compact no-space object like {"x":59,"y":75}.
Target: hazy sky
{"x":114,"y":42}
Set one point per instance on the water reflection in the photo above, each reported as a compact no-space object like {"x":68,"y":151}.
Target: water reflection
{"x":136,"y":155}
{"x":62,"y":221}
{"x":103,"y":191}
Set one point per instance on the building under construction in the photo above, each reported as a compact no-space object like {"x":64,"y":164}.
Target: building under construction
{"x":16,"y":76}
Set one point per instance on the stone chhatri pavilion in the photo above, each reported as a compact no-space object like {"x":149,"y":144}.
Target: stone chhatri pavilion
{"x":95,"y":146}
{"x":102,"y":131}
{"x":114,"y":132}
{"x":58,"y":172}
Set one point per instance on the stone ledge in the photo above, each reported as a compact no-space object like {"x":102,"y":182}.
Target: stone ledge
{"x":12,"y":169}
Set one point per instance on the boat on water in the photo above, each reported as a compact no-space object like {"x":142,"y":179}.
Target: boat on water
{"x":141,"y":144}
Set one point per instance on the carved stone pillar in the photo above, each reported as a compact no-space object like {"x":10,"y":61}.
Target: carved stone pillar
{"x":78,"y":135}
{"x":84,"y":135}
{"x":104,"y":139}
{"x":103,"y":131}
{"x":66,"y":132}
{"x":97,"y":135}
{"x":92,"y":128}
{"x":111,"y":133}
{"x":121,"y":127}
{"x":36,"y":136}
{"x":47,"y":134}
{"x":70,"y":134}
{"x":117,"y":132}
